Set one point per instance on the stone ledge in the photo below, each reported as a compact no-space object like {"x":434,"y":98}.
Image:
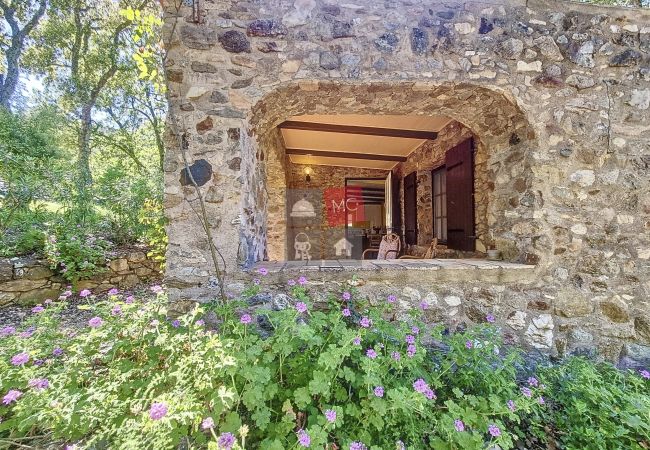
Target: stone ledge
{"x":414,"y":269}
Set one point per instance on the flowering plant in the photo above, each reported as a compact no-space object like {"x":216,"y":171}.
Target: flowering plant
{"x":76,"y":254}
{"x":302,"y":375}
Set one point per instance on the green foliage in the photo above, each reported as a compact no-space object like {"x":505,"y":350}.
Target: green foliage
{"x":598,"y":406}
{"x":264,"y":384}
{"x":76,"y":253}
{"x":151,"y":216}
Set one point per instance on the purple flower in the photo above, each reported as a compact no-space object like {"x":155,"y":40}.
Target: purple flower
{"x":489,"y":318}
{"x":424,"y":304}
{"x":85,"y":293}
{"x":256,"y":281}
{"x":410,"y":350}
{"x":176,"y":323}
{"x":66,"y":294}
{"x":527,"y":392}
{"x":200,"y":323}
{"x":365,"y":322}
{"x":7,"y":331}
{"x":346,"y":295}
{"x":263,"y":271}
{"x":396,"y":356}
{"x":532,"y":381}
{"x":330,"y":415}
{"x":157,"y":411}
{"x":370,"y":353}
{"x":246,"y":319}
{"x":11,"y":396}
{"x":302,"y":281}
{"x":645,"y":374}
{"x":357,"y":446}
{"x":38,"y":309}
{"x":39,"y":383}
{"x":27,"y":333}
{"x":303,"y":438}
{"x":226,"y":441}
{"x":113,"y":291}
{"x":459,"y":425}
{"x":48,"y":301}
{"x":39,"y":362}
{"x":20,"y":359}
{"x":356,"y":340}
{"x":291,"y":282}
{"x":541,"y":400}
{"x":494,"y":430}
{"x":346,"y":312}
{"x":116,"y":311}
{"x":469,"y":344}
{"x":391,"y":298}
{"x":420,"y":385}
{"x":130,"y":299}
{"x":511,"y":405}
{"x":207,"y":423}
{"x":156,"y":289}
{"x":415,"y":330}
{"x":410,"y":339}
{"x":58,"y":351}
{"x":301,"y":307}
{"x":379,"y":391}
{"x":95,"y":322}
{"x":430,"y":394}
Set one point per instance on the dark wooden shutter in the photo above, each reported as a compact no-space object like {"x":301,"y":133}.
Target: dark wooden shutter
{"x":397,"y":206}
{"x":459,"y":162}
{"x":410,"y":209}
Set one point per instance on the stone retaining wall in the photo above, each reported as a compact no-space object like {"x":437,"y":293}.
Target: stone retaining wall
{"x":29,"y":280}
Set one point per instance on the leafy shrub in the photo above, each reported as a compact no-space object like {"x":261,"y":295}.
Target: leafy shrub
{"x":598,"y":406}
{"x":309,"y":375}
{"x":76,"y":254}
{"x":152,"y":217}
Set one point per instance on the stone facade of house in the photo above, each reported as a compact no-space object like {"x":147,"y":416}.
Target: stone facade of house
{"x":556,"y":95}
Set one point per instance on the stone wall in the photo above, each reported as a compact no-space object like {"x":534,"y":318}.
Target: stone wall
{"x":556,"y":94}
{"x":29,"y":280}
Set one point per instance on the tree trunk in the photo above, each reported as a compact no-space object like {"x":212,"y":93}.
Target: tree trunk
{"x":84,"y":175}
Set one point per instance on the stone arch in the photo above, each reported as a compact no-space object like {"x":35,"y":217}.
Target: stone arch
{"x":500,"y":128}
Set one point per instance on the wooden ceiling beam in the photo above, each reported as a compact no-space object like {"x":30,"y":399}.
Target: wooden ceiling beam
{"x":346,"y":155}
{"x":354,"y":129}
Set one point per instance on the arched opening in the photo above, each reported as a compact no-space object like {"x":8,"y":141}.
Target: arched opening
{"x":467,"y":121}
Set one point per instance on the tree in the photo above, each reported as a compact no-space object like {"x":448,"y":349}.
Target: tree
{"x":82,"y":46}
{"x":16,"y":12}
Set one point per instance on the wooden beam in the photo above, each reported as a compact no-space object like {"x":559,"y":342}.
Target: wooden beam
{"x":347,"y":155}
{"x":353,"y":129}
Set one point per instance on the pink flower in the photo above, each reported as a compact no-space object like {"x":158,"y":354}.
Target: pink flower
{"x":302,"y":281}
{"x":207,"y":423}
{"x":365,"y":322}
{"x":346,"y":295}
{"x":379,"y":391}
{"x":371,"y":353}
{"x":157,"y":411}
{"x":85,"y":293}
{"x":330,"y":415}
{"x":246,"y":319}
{"x":11,"y":396}
{"x":301,"y":307}
{"x":95,"y":322}
{"x":156,"y":289}
{"x":20,"y":359}
{"x":346,"y":312}
{"x":48,"y":301}
{"x":263,"y":271}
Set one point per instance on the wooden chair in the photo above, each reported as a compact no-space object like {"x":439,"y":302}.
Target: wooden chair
{"x":430,"y":253}
{"x":389,"y":248}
